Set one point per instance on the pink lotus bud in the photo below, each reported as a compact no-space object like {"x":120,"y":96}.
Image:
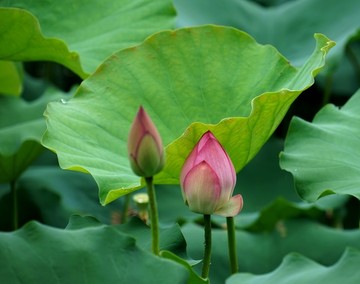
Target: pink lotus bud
{"x":146,"y":152}
{"x":208,"y":179}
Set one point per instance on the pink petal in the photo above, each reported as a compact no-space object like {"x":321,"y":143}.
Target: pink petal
{"x":201,"y":189}
{"x":232,"y":207}
{"x":188,"y":164}
{"x":145,"y":149}
{"x":142,"y":125}
{"x":215,"y":155}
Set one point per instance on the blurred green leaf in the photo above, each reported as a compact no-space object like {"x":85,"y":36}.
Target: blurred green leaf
{"x":277,"y":25}
{"x":289,"y":27}
{"x":172,"y":243}
{"x":85,"y":253}
{"x":58,"y":194}
{"x":10,"y":78}
{"x":77,"y":222}
{"x":262,"y":181}
{"x":78,"y":34}
{"x":12,"y":166}
{"x":28,"y":43}
{"x":21,"y":127}
{"x":171,"y":237}
{"x":280,"y":209}
{"x":180,"y":77}
{"x":260,"y":253}
{"x":269,"y":194}
{"x":270,"y":3}
{"x":297,"y":269}
{"x":323,"y":155}
{"x":51,"y":195}
{"x":346,"y":78}
{"x":194,"y":277}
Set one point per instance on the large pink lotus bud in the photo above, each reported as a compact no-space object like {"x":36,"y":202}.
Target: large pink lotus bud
{"x":208,"y":179}
{"x":146,"y":152}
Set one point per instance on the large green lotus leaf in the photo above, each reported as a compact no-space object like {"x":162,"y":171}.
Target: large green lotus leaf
{"x":10,"y":78}
{"x":194,"y":277}
{"x":297,"y":269}
{"x":171,"y":238}
{"x":284,"y":26}
{"x":190,"y":80}
{"x":21,"y":128}
{"x":172,"y":242}
{"x":261,"y":253}
{"x":78,"y":34}
{"x":28,"y":43}
{"x":84,"y":253}
{"x":322,"y":155}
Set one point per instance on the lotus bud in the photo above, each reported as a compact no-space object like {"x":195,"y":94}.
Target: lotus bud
{"x":145,"y":148}
{"x":208,"y":179}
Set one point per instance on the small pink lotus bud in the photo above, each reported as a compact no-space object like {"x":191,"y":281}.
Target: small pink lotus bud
{"x":146,"y":152}
{"x":208,"y":179}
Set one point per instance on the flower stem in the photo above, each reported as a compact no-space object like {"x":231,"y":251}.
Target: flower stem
{"x":125,"y":209}
{"x":15,"y":205}
{"x":232,"y":245}
{"x":154,"y":220}
{"x":207,"y":250}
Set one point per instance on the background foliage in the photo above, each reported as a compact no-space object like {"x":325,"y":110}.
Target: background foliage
{"x":309,"y":231}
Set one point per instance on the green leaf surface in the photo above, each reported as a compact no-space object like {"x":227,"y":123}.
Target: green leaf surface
{"x":21,"y":128}
{"x":185,"y":80}
{"x":284,"y":26}
{"x":297,"y":269}
{"x":57,"y":194}
{"x":260,"y":253}
{"x":323,"y":155}
{"x":171,"y":238}
{"x":84,"y":253}
{"x":194,"y":278}
{"x":10,"y":78}
{"x":77,"y":222}
{"x":29,"y":44}
{"x":172,"y":242}
{"x":78,"y":34}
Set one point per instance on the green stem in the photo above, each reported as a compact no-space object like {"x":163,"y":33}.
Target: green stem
{"x":125,"y":209}
{"x":207,"y":250}
{"x":154,"y":220}
{"x":232,"y":245}
{"x":15,"y":205}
